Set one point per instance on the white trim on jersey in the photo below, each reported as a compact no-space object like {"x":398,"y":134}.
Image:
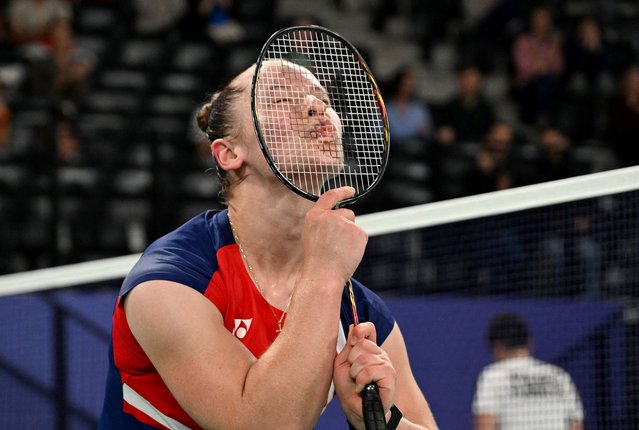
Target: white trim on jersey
{"x":341,"y":338}
{"x":341,"y":343}
{"x":134,"y":399}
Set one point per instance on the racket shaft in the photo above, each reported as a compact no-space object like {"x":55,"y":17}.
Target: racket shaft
{"x":372,"y":408}
{"x":374,"y":418}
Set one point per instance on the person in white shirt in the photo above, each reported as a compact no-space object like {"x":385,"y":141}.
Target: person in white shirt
{"x":520,"y":392}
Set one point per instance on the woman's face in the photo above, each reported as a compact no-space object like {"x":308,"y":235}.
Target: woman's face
{"x":300,"y":128}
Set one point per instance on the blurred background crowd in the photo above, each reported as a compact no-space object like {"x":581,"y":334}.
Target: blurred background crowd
{"x":99,"y":153}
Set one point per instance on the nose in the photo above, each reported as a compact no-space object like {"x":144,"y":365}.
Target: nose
{"x":314,"y":106}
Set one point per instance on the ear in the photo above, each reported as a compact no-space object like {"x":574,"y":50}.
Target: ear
{"x":228,"y":155}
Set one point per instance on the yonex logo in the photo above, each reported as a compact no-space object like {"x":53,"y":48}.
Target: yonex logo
{"x":242,"y":327}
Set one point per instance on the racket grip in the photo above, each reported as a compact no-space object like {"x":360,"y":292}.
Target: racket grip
{"x":373,"y":411}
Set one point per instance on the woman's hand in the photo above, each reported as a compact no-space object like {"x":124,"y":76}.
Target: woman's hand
{"x":333,"y":245}
{"x":361,"y":362}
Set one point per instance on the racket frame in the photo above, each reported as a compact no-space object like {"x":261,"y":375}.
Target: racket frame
{"x":371,"y":403}
{"x":376,"y":91}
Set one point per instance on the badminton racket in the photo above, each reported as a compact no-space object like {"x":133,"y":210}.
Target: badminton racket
{"x":321,"y":124}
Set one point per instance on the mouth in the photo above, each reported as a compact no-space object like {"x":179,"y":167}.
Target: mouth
{"x":324,"y":132}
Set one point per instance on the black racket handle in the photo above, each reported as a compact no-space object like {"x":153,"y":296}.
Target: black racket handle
{"x":373,"y":411}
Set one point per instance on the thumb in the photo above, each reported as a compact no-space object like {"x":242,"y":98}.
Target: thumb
{"x":330,"y":198}
{"x":365,"y":330}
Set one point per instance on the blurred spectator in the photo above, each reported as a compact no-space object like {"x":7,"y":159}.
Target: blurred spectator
{"x":382,"y":11}
{"x":303,"y":19}
{"x":5,"y":121}
{"x":408,"y":116}
{"x":433,"y":21}
{"x":31,"y":20}
{"x":623,"y":118}
{"x":5,"y":34}
{"x":539,"y":65}
{"x":221,"y":26}
{"x":66,"y":141}
{"x":554,"y":159}
{"x":570,"y":256}
{"x":492,"y":169}
{"x":62,"y":71}
{"x":468,"y":116}
{"x":489,"y":28}
{"x":156,"y":16}
{"x":587,"y":57}
{"x":588,"y":82}
{"x":192,"y":24}
{"x":12,"y":72}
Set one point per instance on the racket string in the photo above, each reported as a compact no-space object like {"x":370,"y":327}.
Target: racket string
{"x":363,"y":144}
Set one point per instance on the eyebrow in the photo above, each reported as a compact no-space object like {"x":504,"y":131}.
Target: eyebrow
{"x":312,"y":89}
{"x":275,"y":87}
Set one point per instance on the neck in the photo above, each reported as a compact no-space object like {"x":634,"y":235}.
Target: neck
{"x":268,"y":229}
{"x":512,"y":353}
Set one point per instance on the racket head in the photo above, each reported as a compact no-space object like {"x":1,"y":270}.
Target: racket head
{"x":318,"y":113}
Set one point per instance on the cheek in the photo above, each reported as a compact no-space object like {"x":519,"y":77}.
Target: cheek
{"x":247,"y":131}
{"x":335,"y":120}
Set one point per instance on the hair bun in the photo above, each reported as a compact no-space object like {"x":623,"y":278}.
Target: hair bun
{"x":204,"y":113}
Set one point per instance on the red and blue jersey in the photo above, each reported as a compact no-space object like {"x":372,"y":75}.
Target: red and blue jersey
{"x":201,"y":254}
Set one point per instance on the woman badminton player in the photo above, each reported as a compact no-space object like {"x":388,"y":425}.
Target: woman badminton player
{"x":239,"y":318}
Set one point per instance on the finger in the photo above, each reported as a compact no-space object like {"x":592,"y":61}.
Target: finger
{"x":373,"y":368}
{"x":346,"y":213}
{"x":364,"y":353}
{"x":330,"y":198}
{"x":364,"y":346}
{"x":364,"y":362}
{"x":365,"y":330}
{"x":355,"y":347}
{"x":368,"y":375}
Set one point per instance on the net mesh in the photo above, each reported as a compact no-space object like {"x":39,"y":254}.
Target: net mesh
{"x":568,"y":270}
{"x":320,"y":116}
{"x":583,"y":248}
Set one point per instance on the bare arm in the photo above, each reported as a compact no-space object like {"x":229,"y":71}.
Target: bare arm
{"x":485,"y":422}
{"x":204,"y":365}
{"x":409,"y":397}
{"x":215,"y":379}
{"x":577,"y":425}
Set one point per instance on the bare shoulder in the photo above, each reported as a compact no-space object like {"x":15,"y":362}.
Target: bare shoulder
{"x":165,"y":308}
{"x":184,"y":336}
